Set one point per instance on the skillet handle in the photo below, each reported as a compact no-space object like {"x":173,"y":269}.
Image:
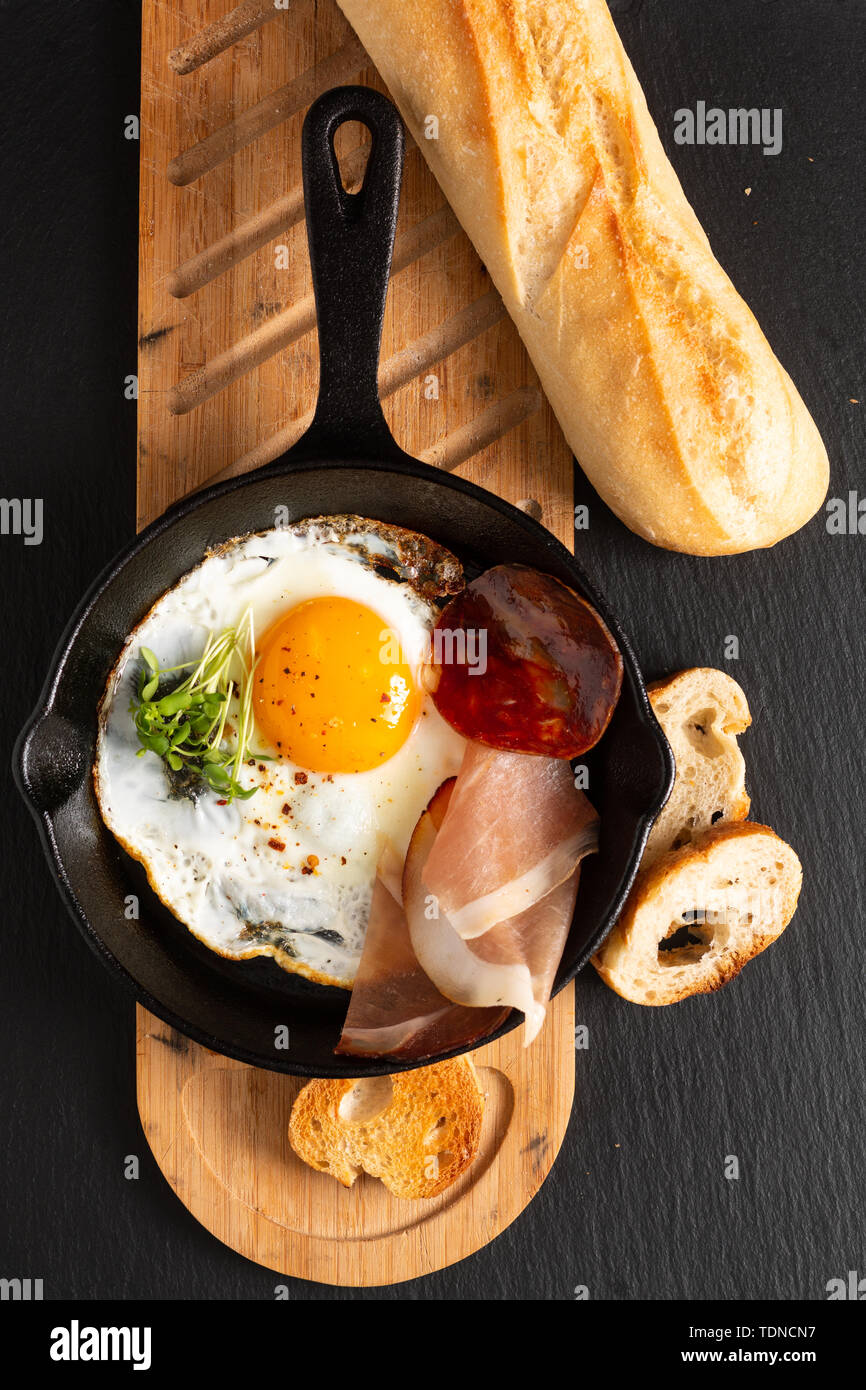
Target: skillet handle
{"x":351,"y":237}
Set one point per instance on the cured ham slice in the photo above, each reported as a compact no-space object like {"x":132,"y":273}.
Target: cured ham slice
{"x":514,"y":830}
{"x":515,"y":961}
{"x":395,"y":1009}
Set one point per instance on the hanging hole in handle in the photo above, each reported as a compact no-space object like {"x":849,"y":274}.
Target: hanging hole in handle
{"x":336,"y":162}
{"x":352,"y":146}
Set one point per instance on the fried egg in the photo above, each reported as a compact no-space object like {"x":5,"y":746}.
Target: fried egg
{"x":351,"y":747}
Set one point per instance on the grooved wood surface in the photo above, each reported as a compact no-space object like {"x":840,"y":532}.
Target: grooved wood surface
{"x":227,"y":378}
{"x":219,"y":1132}
{"x":226,"y":371}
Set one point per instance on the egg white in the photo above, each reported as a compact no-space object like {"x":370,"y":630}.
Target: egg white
{"x":240,"y":876}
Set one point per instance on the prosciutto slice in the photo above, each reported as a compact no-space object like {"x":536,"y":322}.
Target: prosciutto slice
{"x":513,"y":962}
{"x":514,"y":830}
{"x":395,"y":1009}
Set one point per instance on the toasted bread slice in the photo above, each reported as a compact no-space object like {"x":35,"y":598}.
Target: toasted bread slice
{"x":701,"y":712}
{"x":695,"y":918}
{"x":418,"y":1131}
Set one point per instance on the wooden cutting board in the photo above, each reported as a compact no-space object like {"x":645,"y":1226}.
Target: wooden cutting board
{"x":227,"y":376}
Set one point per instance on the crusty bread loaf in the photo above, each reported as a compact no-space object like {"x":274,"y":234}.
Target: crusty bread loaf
{"x":700,"y":913}
{"x":418,"y":1131}
{"x":701,"y":712}
{"x":661,"y":379}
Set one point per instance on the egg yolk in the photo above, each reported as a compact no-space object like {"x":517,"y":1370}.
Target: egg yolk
{"x":332,"y":689}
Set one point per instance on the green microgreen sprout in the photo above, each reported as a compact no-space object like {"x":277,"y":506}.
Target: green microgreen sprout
{"x":187,"y":726}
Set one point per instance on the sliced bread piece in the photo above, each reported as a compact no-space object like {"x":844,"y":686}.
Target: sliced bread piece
{"x":417,"y":1131}
{"x":695,"y":918}
{"x":701,"y":712}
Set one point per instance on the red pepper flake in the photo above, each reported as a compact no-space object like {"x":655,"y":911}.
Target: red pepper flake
{"x":287,"y":810}
{"x":384,"y":699}
{"x":300,"y":778}
{"x":278,"y":845}
{"x":342,"y":858}
{"x":222,"y":801}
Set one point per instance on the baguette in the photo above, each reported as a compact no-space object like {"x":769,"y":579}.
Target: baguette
{"x":417,"y":1131}
{"x":661,"y":379}
{"x":695,"y":918}
{"x":701,"y":712}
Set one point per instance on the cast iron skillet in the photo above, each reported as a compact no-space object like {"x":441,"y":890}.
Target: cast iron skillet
{"x":347,"y":462}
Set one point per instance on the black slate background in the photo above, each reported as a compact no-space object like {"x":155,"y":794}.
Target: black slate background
{"x":772,"y":1068}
